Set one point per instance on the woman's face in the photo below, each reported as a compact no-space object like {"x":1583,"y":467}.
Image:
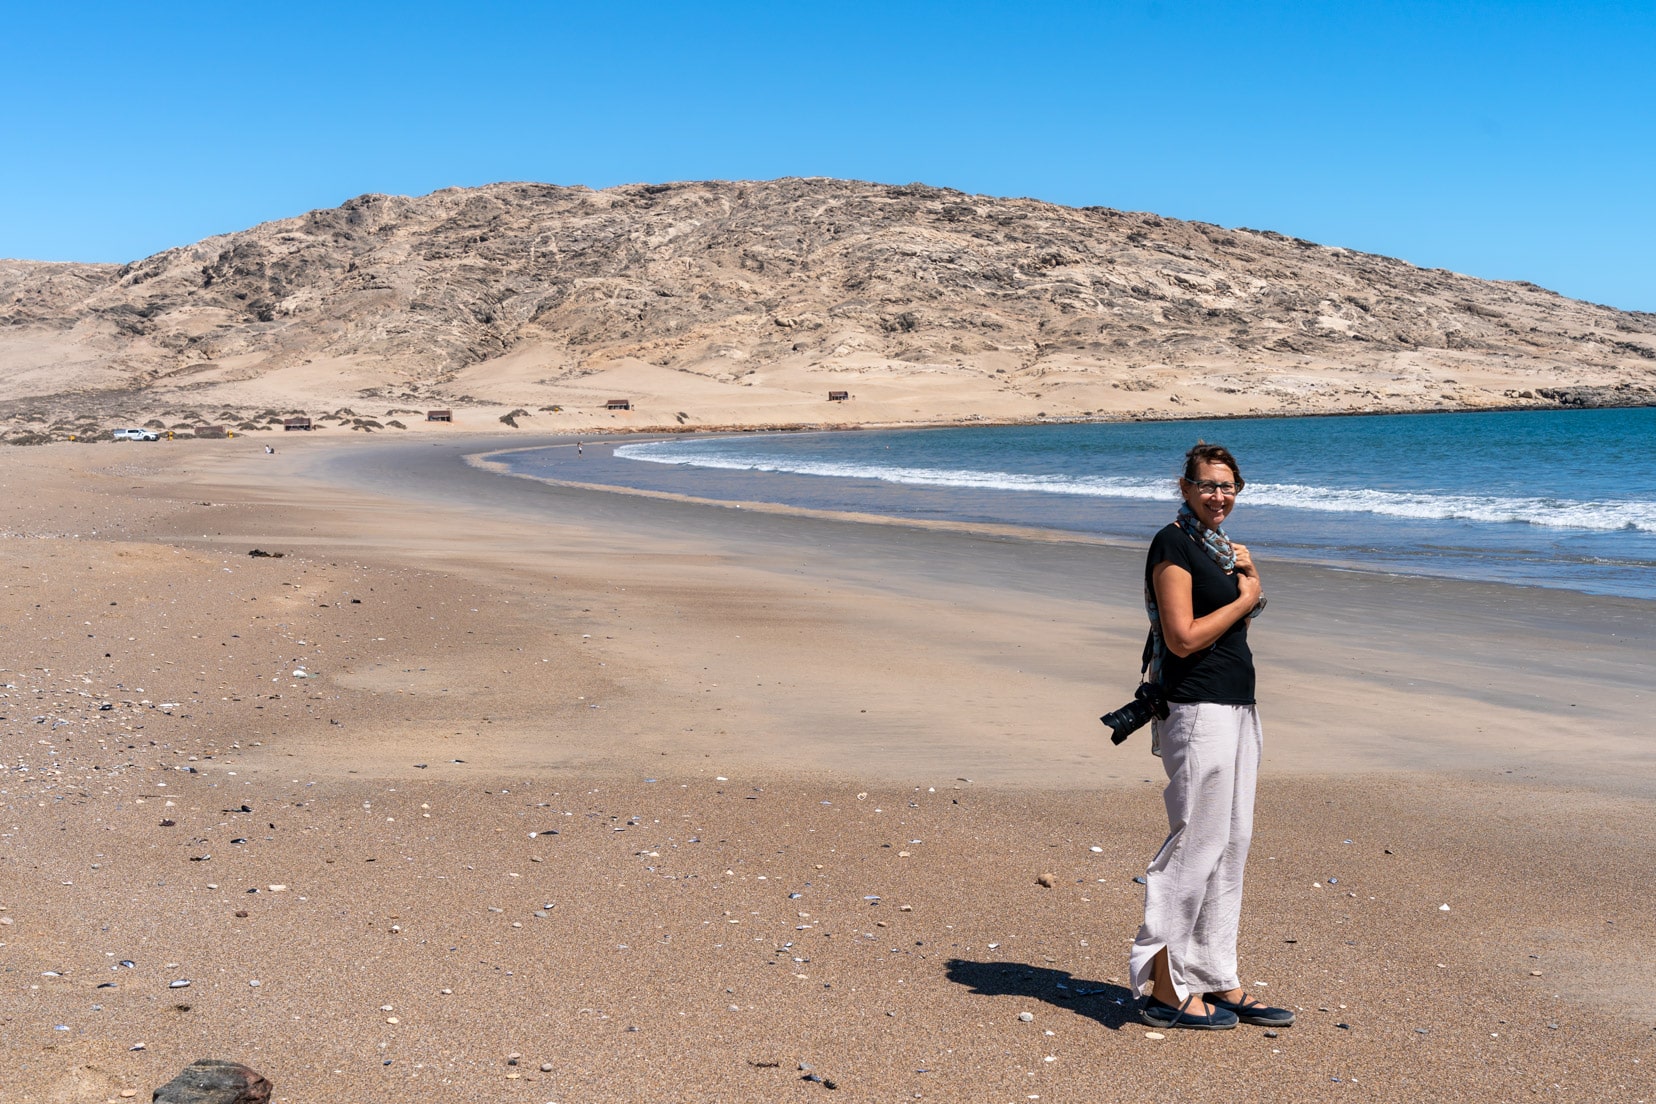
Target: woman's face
{"x":1210,"y":509}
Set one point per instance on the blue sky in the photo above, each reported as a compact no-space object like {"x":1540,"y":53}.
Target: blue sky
{"x":1503,"y":140}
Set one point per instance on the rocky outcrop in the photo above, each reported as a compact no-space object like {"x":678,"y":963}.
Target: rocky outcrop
{"x":723,"y":280}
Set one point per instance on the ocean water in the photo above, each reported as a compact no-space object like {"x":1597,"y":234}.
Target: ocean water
{"x":1561,"y":499}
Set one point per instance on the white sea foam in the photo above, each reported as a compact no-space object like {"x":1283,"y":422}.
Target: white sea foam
{"x":1552,"y":513}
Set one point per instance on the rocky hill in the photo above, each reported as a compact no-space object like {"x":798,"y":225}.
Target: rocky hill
{"x":746,"y":303}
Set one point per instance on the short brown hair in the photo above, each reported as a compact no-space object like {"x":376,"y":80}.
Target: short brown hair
{"x":1204,"y":453}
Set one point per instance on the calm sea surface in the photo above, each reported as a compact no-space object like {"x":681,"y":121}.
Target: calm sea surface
{"x":1544,"y":498}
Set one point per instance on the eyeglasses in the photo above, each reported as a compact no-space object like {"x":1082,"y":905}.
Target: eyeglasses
{"x":1208,"y":487}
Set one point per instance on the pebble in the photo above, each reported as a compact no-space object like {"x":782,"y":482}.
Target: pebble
{"x":1047,"y":880}
{"x":546,"y":1067}
{"x":1026,"y":1017}
{"x":1154,"y":1035}
{"x":181,"y":983}
{"x":1141,"y":880}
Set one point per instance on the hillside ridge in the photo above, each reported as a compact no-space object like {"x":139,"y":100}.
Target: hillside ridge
{"x":745,"y":303}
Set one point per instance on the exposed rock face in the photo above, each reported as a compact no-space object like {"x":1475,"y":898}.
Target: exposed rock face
{"x":808,"y":277}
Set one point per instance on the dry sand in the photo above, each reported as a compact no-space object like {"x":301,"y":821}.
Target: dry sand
{"x":675,"y":799}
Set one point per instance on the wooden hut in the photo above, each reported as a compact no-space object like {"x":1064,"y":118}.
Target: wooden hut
{"x":439,"y":415}
{"x":618,"y":404}
{"x":297,"y":422}
{"x":838,"y":396}
{"x":212,"y":431}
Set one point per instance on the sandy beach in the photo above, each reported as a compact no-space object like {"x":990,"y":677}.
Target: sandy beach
{"x":480,"y":788}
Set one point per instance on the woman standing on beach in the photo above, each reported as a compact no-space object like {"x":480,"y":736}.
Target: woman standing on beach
{"x":1201,"y":591}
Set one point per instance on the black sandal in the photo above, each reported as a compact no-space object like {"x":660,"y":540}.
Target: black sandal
{"x":1250,"y":1010}
{"x":1157,"y":1014}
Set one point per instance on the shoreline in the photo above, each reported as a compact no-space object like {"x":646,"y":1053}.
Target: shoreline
{"x":989,"y":509}
{"x":700,"y":712}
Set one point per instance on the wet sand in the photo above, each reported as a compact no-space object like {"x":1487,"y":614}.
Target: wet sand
{"x":560,"y":759}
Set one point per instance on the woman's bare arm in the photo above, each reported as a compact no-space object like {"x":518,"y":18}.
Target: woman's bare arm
{"x":1182,"y":631}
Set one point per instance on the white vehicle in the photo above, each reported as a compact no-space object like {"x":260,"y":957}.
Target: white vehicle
{"x":136,"y":435}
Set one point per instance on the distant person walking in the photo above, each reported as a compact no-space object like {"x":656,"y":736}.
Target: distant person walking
{"x":270,"y":450}
{"x":1201,"y":592}
{"x":577,"y":449}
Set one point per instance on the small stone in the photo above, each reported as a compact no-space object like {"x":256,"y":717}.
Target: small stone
{"x":1026,"y":1017}
{"x":1443,"y":908}
{"x":1270,"y":1034}
{"x":546,"y":1067}
{"x":1154,"y":1035}
{"x":1140,"y":879}
{"x":1047,"y":880}
{"x":181,"y":983}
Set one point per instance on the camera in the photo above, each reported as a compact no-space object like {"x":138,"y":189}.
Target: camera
{"x":1147,"y":703}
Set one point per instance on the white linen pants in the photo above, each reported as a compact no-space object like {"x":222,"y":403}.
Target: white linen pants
{"x":1193,"y":890}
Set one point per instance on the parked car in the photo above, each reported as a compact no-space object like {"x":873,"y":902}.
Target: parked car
{"x":137,"y":435}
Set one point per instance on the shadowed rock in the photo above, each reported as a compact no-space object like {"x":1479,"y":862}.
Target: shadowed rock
{"x":214,"y":1081}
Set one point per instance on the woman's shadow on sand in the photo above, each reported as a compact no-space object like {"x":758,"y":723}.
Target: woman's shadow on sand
{"x":1110,"y":1004}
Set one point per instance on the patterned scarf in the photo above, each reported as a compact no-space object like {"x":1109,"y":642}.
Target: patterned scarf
{"x":1218,"y":547}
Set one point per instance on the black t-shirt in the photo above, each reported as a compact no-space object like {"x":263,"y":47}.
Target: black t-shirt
{"x":1224,"y":673}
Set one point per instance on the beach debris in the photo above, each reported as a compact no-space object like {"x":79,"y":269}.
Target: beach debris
{"x":1141,"y":880}
{"x":215,"y":1081}
{"x":181,"y":983}
{"x":1048,"y":880}
{"x":1443,"y":908}
{"x":261,"y":554}
{"x":1154,"y":1035}
{"x":1026,"y":1017}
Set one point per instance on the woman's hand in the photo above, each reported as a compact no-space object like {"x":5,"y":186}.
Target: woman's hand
{"x":1247,"y":576}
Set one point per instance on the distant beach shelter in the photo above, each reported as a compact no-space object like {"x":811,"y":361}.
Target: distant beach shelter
{"x":838,"y":396}
{"x":439,"y":415}
{"x":618,"y":404}
{"x":212,"y":431}
{"x":296,"y":423}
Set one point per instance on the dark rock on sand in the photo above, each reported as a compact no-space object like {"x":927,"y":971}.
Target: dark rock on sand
{"x":214,"y":1081}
